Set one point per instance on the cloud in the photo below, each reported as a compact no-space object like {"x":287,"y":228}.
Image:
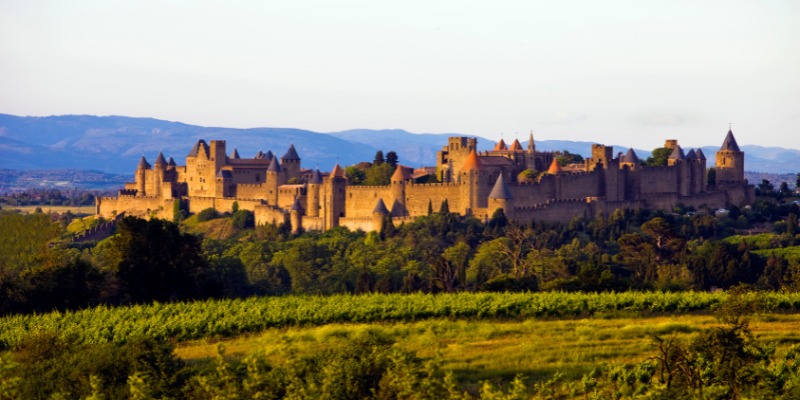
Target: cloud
{"x":564,"y":117}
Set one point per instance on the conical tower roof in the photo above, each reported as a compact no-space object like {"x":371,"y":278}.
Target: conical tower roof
{"x":337,"y":171}
{"x":691,"y":155}
{"x":401,"y":174}
{"x":473,"y":163}
{"x":500,"y":189}
{"x":380,"y":208}
{"x":700,"y":155}
{"x":677,"y":153}
{"x":515,"y":146}
{"x":143,"y":164}
{"x":730,"y":142}
{"x":291,"y":154}
{"x":235,"y":154}
{"x":196,"y":148}
{"x":315,"y":178}
{"x":259,"y":155}
{"x":296,"y":206}
{"x":268,"y":155}
{"x":555,"y":168}
{"x":171,"y":162}
{"x":501,"y":145}
{"x":274,"y":166}
{"x":631,"y":157}
{"x":160,"y":159}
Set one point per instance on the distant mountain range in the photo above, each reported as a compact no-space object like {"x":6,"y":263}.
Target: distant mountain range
{"x":113,"y":144}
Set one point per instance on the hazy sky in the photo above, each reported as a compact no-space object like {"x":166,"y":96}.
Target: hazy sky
{"x":615,"y":72}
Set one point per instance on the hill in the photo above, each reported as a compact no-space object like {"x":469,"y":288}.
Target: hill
{"x":113,"y":144}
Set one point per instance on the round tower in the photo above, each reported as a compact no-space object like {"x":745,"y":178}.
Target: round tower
{"x":273,"y":181}
{"x":290,"y":162}
{"x":474,"y":191}
{"x":313,"y":198}
{"x":334,"y":197}
{"x":158,"y":172}
{"x":398,"y":188}
{"x":501,"y":198}
{"x":296,"y":217}
{"x":379,"y":215}
{"x":141,"y":176}
{"x":730,"y":161}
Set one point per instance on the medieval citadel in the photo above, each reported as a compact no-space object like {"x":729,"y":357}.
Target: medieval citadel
{"x":279,"y":190}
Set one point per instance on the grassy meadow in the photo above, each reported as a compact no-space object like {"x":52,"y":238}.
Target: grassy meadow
{"x":496,"y":351}
{"x":77,"y":210}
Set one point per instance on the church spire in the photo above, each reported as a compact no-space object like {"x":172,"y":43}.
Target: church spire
{"x":531,"y":143}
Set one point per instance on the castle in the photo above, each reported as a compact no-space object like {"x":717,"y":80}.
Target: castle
{"x":279,"y":190}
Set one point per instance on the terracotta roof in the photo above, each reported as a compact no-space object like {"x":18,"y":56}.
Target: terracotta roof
{"x":401,"y":173}
{"x":291,"y":154}
{"x":473,"y":163}
{"x":380,"y":208}
{"x":554,"y":168}
{"x":730,"y":142}
{"x":501,"y":145}
{"x":160,"y":159}
{"x":337,"y":171}
{"x":143,"y":164}
{"x":515,"y":146}
{"x":235,"y":154}
{"x":274,"y":166}
{"x":631,"y":157}
{"x":500,"y":190}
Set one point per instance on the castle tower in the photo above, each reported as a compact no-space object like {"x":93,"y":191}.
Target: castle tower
{"x":601,"y":154}
{"x":630,"y":160}
{"x":160,"y":167}
{"x":474,"y":190}
{"x":273,"y":181}
{"x":217,"y":153}
{"x":313,"y":199}
{"x":500,"y":146}
{"x":224,"y":180}
{"x":291,"y":164}
{"x":141,"y":177}
{"x":677,"y":159}
{"x":500,"y":198}
{"x":334,"y":197}
{"x":691,"y":163}
{"x":234,"y":154}
{"x":531,"y":144}
{"x":730,"y":161}
{"x":516,"y":146}
{"x":398,"y":188}
{"x":379,"y":214}
{"x":701,"y":166}
{"x":296,"y":217}
{"x":197,"y":167}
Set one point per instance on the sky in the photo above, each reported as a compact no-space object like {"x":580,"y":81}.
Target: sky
{"x":630,"y":73}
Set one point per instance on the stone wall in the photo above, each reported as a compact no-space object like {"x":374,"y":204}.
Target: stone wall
{"x":361,"y":200}
{"x":144,"y":206}
{"x":419,"y":195}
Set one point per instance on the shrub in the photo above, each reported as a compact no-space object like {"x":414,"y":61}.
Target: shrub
{"x":207,"y":215}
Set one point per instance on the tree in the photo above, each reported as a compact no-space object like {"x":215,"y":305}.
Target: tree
{"x":391,"y":159}
{"x":765,"y":188}
{"x":153,"y":260}
{"x":659,"y":157}
{"x":355,"y":175}
{"x":378,"y":158}
{"x":379,"y":175}
{"x":528,"y":175}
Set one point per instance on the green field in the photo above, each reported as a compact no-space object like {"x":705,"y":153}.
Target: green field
{"x":483,"y":345}
{"x":78,"y":210}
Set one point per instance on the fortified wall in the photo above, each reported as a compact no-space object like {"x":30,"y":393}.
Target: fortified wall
{"x":278,"y":190}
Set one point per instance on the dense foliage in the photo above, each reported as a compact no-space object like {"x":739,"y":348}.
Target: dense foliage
{"x":440,"y":252}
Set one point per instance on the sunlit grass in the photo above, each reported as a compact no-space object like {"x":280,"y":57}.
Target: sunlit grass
{"x":491,"y":350}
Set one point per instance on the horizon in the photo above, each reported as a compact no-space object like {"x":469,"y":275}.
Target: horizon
{"x":508,"y":140}
{"x":627,"y":72}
